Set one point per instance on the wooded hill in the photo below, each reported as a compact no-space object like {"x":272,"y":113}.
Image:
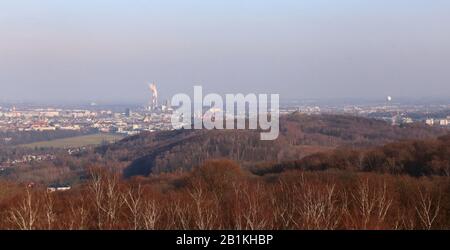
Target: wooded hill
{"x":412,"y":157}
{"x":300,"y":136}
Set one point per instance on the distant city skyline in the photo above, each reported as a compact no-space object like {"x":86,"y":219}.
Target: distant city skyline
{"x":108,"y":51}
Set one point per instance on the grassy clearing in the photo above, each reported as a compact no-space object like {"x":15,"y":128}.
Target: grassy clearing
{"x":74,"y":142}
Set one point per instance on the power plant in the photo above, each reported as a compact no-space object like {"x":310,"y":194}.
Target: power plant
{"x":154,"y":99}
{"x":154,"y":105}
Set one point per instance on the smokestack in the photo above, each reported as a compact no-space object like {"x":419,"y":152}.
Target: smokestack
{"x":154,"y":100}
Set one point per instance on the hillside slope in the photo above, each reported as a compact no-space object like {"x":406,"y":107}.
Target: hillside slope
{"x":411,"y":157}
{"x":300,"y":135}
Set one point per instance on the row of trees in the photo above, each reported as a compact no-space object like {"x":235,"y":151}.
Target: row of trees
{"x":218,"y":195}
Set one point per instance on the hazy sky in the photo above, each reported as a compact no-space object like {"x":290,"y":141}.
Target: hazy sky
{"x":92,"y":50}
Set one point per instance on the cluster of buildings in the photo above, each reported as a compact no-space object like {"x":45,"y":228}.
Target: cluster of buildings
{"x":153,"y":118}
{"x":394,"y":113}
{"x":25,"y":159}
{"x":30,"y":158}
{"x":38,"y":119}
{"x":76,"y":120}
{"x":157,"y":116}
{"x":438,"y":122}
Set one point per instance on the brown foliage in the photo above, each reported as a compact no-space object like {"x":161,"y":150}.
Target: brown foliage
{"x":218,"y":195}
{"x":415,"y":158}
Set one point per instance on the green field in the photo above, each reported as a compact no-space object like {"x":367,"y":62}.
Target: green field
{"x":75,"y":142}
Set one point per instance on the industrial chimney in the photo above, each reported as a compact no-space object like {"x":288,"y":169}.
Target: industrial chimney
{"x":154,"y":100}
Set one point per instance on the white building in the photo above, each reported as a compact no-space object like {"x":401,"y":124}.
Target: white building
{"x":429,"y":121}
{"x":57,"y":188}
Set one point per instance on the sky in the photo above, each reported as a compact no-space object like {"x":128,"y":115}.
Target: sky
{"x":107,"y":50}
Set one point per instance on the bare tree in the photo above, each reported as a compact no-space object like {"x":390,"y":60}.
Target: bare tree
{"x":319,"y":209}
{"x":50,"y":214}
{"x":252,"y":208}
{"x":284,"y":207}
{"x":237,"y":210}
{"x":150,"y":215}
{"x":133,"y":201}
{"x":79,"y":215}
{"x":182,"y":213}
{"x":383,"y":204}
{"x":97,"y":192}
{"x":106,"y":197}
{"x":372,"y":204}
{"x":26,"y":214}
{"x":205,"y":207}
{"x":427,"y":209}
{"x":113,"y":201}
{"x":365,"y":203}
{"x":404,"y":221}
